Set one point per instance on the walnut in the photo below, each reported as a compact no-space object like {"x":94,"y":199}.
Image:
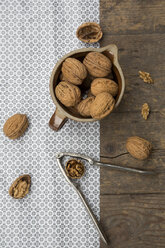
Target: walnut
{"x":84,"y":106}
{"x":74,"y":168}
{"x":68,"y":94}
{"x":102,"y":105}
{"x":146,"y":77}
{"x":145,"y":111}
{"x":15,"y":126}
{"x":97,"y":64}
{"x":138,"y":147}
{"x":20,"y":187}
{"x":104,"y":85}
{"x":89,"y":32}
{"x":74,"y":71}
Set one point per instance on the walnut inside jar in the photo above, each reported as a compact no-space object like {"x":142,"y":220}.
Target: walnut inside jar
{"x":74,"y":168}
{"x":68,"y":94}
{"x":97,"y":64}
{"x":73,"y":71}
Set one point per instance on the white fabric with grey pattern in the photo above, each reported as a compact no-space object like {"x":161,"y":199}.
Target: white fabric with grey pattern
{"x":34,"y":35}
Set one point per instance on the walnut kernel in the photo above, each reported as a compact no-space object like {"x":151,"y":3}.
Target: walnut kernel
{"x":146,"y":77}
{"x":74,"y":168}
{"x":145,"y":111}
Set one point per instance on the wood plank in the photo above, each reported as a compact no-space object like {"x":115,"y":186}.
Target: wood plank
{"x":132,"y":16}
{"x":145,"y":53}
{"x":134,"y":221}
{"x":132,"y":205}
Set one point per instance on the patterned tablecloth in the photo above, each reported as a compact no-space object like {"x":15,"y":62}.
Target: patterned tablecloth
{"x":34,"y":35}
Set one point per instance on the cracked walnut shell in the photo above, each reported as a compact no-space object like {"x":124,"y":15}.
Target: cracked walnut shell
{"x":15,"y":126}
{"x":68,"y":94}
{"x":73,"y":71}
{"x":97,"y":64}
{"x":89,"y":32}
{"x":84,"y":106}
{"x":138,"y":147}
{"x":20,"y":187}
{"x":104,"y":85}
{"x":74,"y":168}
{"x":102,"y":105}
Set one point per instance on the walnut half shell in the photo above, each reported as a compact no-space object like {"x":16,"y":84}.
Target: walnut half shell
{"x":20,"y":187}
{"x":89,"y":32}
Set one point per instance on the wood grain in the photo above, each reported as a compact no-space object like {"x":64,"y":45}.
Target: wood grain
{"x":134,"y":221}
{"x":132,"y":16}
{"x":132,"y":206}
{"x":119,"y":126}
{"x":145,"y":53}
{"x":117,"y":182}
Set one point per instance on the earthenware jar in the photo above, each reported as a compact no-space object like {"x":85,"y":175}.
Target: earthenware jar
{"x":61,"y":113}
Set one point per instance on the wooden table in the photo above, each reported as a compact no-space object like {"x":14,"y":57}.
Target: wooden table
{"x":133,"y":206}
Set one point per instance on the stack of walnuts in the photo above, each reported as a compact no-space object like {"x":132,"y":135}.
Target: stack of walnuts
{"x":94,"y":68}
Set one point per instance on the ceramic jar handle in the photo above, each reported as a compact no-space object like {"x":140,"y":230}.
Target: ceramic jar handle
{"x":57,"y":120}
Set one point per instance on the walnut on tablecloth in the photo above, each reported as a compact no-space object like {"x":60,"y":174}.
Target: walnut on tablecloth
{"x":20,"y":187}
{"x":15,"y":126}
